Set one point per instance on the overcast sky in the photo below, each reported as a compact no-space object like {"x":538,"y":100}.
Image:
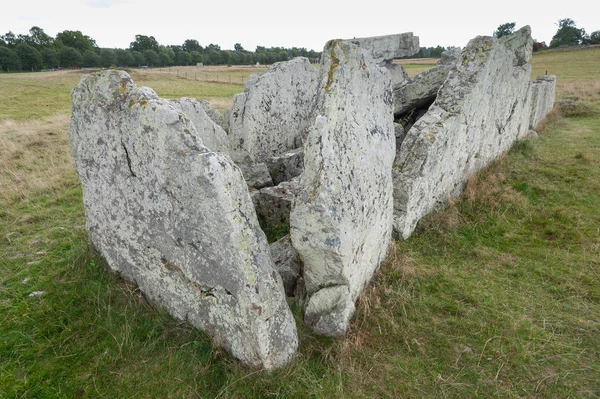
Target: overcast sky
{"x":304,"y":23}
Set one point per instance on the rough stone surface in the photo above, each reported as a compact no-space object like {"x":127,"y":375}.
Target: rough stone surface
{"x":273,"y":204}
{"x":256,"y":174}
{"x":271,"y":115}
{"x":542,"y":92}
{"x":423,"y":88}
{"x":397,"y":73}
{"x":341,"y":220}
{"x":480,"y":111}
{"x":214,"y":114}
{"x":388,"y":47}
{"x":286,"y":166}
{"x":176,"y":218}
{"x":212,"y":135}
{"x":287,"y":263}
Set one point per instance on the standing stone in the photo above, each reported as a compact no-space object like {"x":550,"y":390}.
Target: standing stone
{"x":342,"y":218}
{"x":476,"y":117}
{"x":273,"y":113}
{"x":176,"y":218}
{"x":388,"y":47}
{"x":542,"y":92}
{"x":423,"y":88}
{"x":212,"y":135}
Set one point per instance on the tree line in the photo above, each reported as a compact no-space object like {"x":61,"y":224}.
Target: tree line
{"x":567,"y":35}
{"x":72,"y":49}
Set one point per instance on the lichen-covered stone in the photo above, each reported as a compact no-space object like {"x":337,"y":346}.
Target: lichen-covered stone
{"x":273,"y":204}
{"x":542,"y":92}
{"x":341,"y":220}
{"x":480,"y":110}
{"x":287,"y":263}
{"x":271,"y":115}
{"x":397,"y":73}
{"x":176,"y":218}
{"x":329,"y":310}
{"x":423,"y":88}
{"x":388,"y":47}
{"x":286,"y":166}
{"x":256,"y":175}
{"x":213,"y":136}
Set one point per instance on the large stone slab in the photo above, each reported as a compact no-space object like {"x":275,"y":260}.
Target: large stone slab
{"x":176,"y":218}
{"x":341,"y":220}
{"x":423,"y":88}
{"x":273,"y":113}
{"x":542,"y":92}
{"x":480,"y":110}
{"x":388,"y":47}
{"x":213,"y":136}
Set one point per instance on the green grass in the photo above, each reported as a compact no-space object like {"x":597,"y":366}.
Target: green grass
{"x":496,"y":295}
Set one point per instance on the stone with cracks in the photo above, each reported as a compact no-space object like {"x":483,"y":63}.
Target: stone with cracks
{"x":287,"y":263}
{"x":176,"y":218}
{"x":286,"y":166}
{"x":422,"y":89}
{"x":213,"y":136}
{"x":397,"y":73}
{"x":388,"y":47}
{"x":341,"y":220}
{"x":480,"y":110}
{"x":273,"y":204}
{"x":542,"y":92}
{"x":273,"y":113}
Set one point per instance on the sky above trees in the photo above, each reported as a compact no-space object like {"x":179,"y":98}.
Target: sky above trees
{"x":308,"y":23}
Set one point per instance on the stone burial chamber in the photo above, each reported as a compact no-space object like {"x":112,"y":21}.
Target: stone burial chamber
{"x":335,"y":160}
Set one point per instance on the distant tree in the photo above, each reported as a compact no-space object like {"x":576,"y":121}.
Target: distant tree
{"x":196,"y":57}
{"x":10,"y":39}
{"x":31,"y":59}
{"x":595,"y":37}
{"x":505,"y":30}
{"x":9,"y":60}
{"x":151,"y":57}
{"x":69,"y":56}
{"x":138,"y":58}
{"x":183,"y":58}
{"x":191,"y":45}
{"x":39,"y":38}
{"x":567,"y":34}
{"x":167,"y":55}
{"x":143,"y":43}
{"x":2,"y":42}
{"x":50,"y":57}
{"x":91,"y":59}
{"x":124,"y":58}
{"x":212,"y":47}
{"x":107,"y":57}
{"x":238,"y":47}
{"x":76,"y":40}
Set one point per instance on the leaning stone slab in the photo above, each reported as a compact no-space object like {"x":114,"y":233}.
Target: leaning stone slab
{"x":480,"y":111}
{"x":286,"y":166}
{"x":542,"y":93}
{"x":176,"y":218}
{"x":423,"y":88}
{"x":271,"y":115}
{"x":341,"y":220}
{"x":397,"y":73}
{"x":213,"y":136}
{"x":388,"y":47}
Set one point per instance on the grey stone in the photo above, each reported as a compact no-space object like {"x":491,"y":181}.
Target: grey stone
{"x":213,"y":136}
{"x":273,"y":113}
{"x":176,"y":218}
{"x":542,"y":92}
{"x":423,"y":88}
{"x":286,"y":166}
{"x":256,"y":174}
{"x":341,"y":219}
{"x":329,"y":310}
{"x":388,"y":47}
{"x":273,"y":204}
{"x":397,"y":73}
{"x":480,"y":111}
{"x":287,"y":263}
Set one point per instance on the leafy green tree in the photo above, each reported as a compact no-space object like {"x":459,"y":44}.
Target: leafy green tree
{"x":595,"y":37}
{"x":183,"y":58}
{"x":39,"y":38}
{"x":69,"y":56}
{"x":567,"y":34}
{"x":91,"y":59}
{"x":196,"y":57}
{"x":167,"y":55}
{"x":2,"y":42}
{"x":505,"y":30}
{"x":31,"y":59}
{"x":9,"y":60}
{"x":152,"y":58}
{"x":107,"y":57}
{"x":138,"y":58}
{"x":10,"y":39}
{"x":143,"y":43}
{"x":124,"y":58}
{"x":191,"y":45}
{"x":238,"y":47}
{"x":75,"y":39}
{"x":50,"y":57}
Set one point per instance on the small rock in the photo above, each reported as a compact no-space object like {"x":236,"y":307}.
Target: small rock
{"x":287,"y":263}
{"x":33,"y":262}
{"x":467,"y":351}
{"x":36,"y":294}
{"x":286,"y":166}
{"x":25,"y":280}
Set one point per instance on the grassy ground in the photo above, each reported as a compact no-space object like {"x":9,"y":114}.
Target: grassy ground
{"x":497,"y":295}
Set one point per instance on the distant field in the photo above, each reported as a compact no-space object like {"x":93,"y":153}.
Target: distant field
{"x":495,"y":296}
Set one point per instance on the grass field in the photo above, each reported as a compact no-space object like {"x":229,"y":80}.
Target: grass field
{"x":497,"y":295}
